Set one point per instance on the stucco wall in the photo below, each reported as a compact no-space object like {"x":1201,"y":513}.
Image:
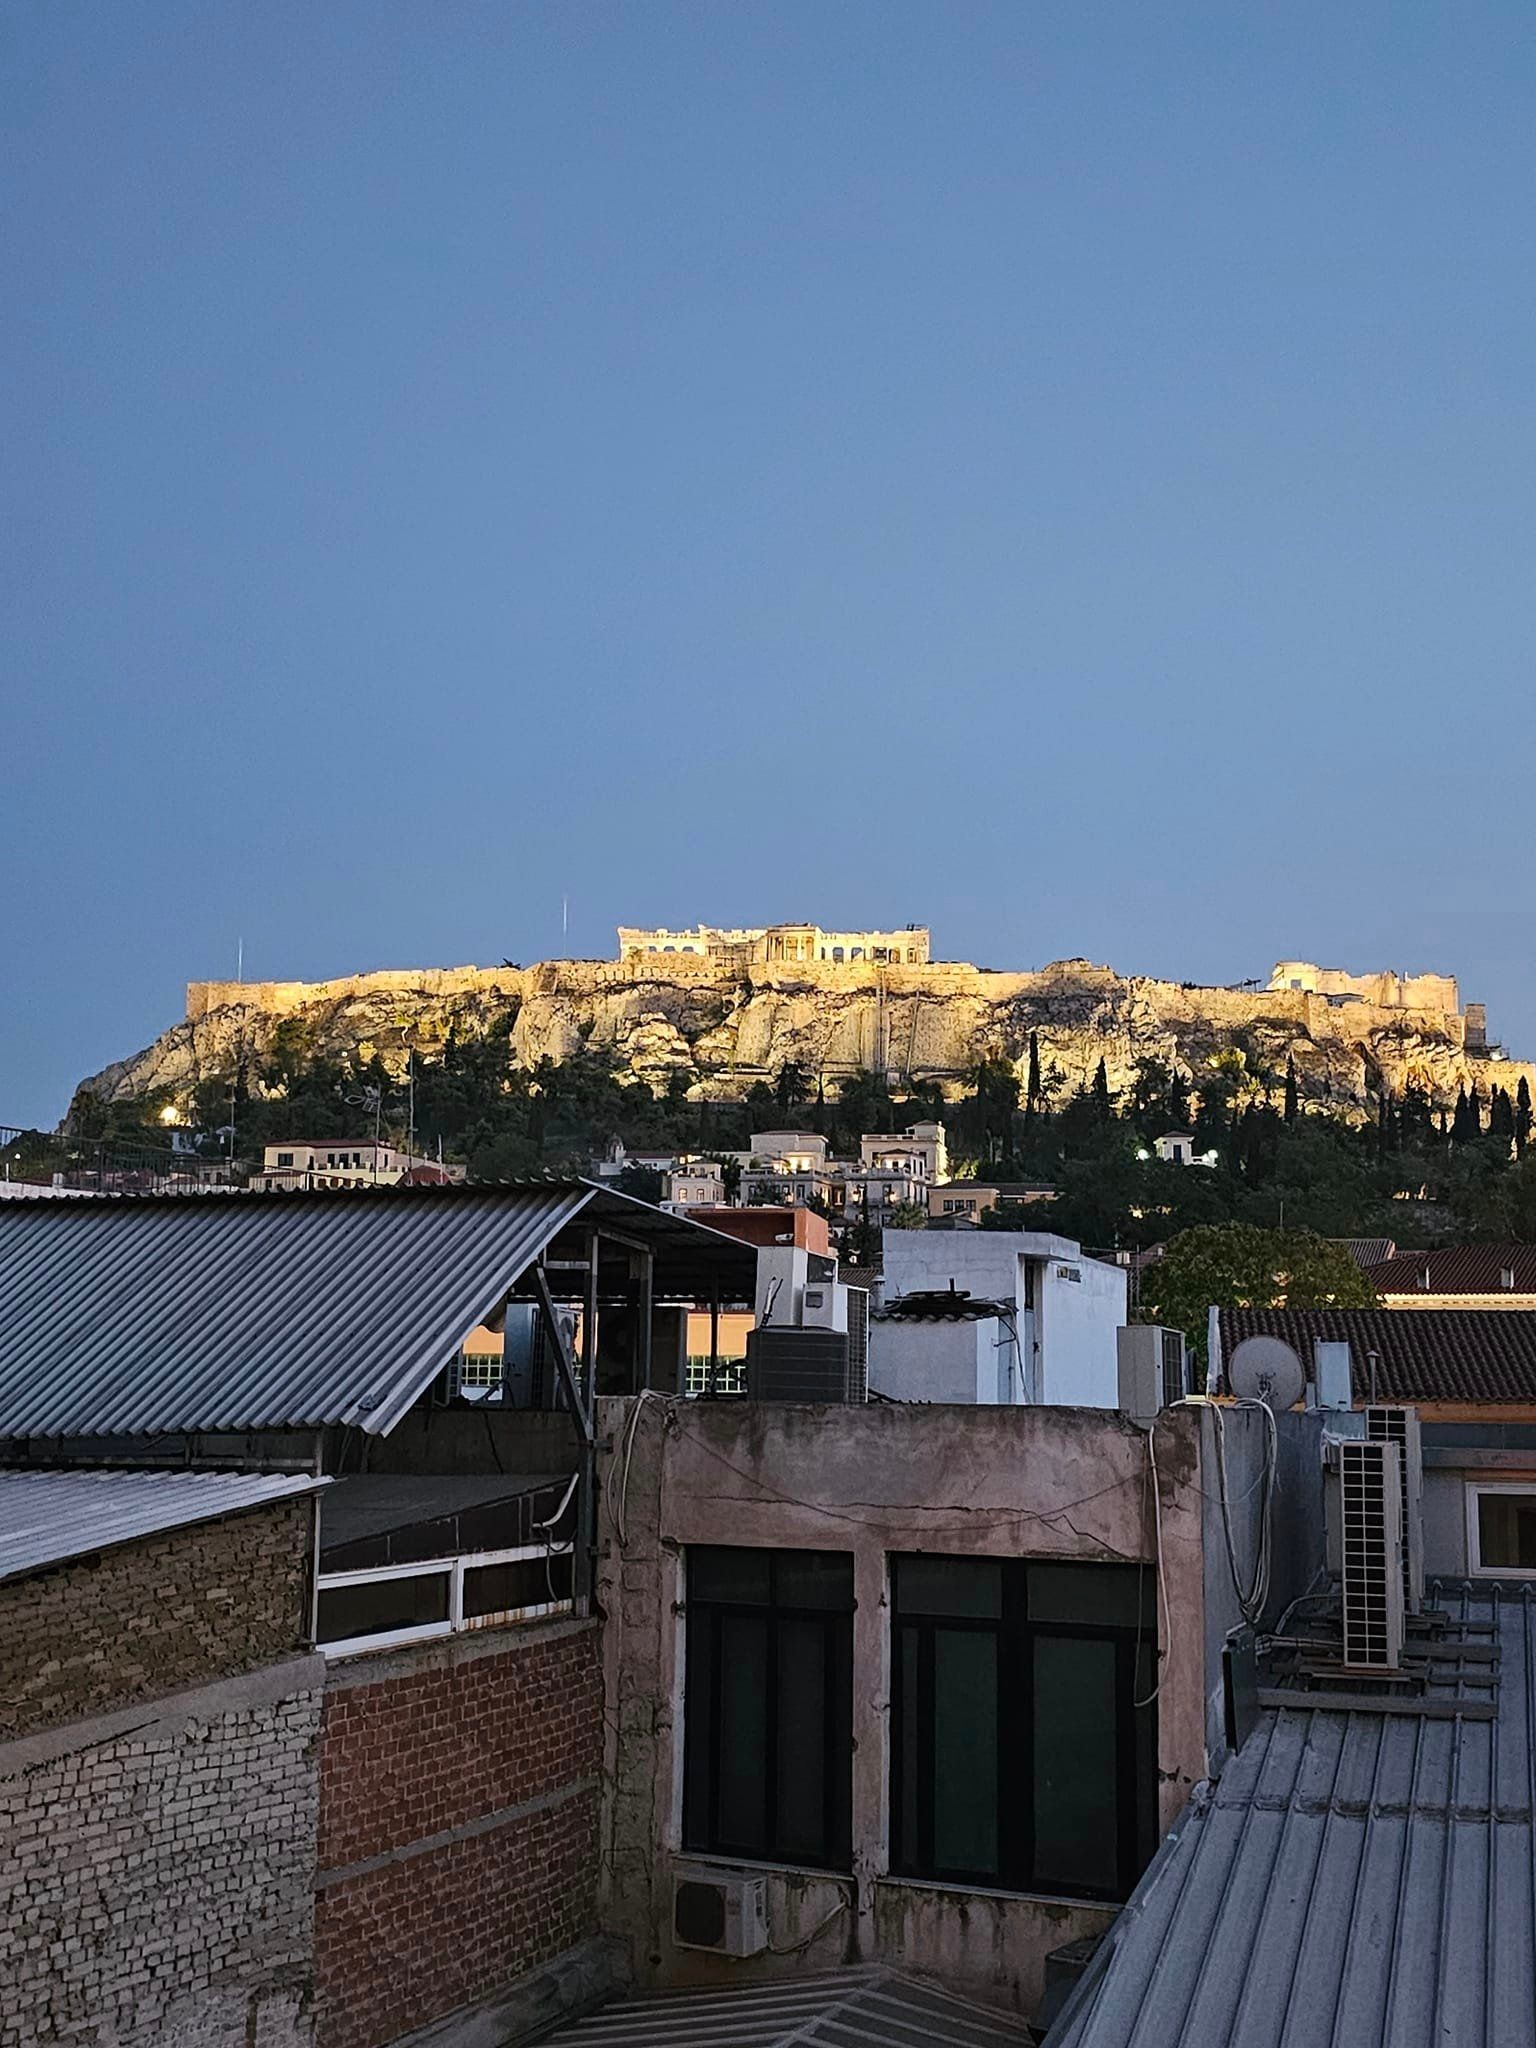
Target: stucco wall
{"x":1073,"y":1324}
{"x":939,"y":1361}
{"x":1007,"y":1482}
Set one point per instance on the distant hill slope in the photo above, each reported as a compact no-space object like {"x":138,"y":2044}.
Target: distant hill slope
{"x":721,"y":1027}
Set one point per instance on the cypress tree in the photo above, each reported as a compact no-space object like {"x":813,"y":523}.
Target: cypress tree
{"x":1522,"y":1117}
{"x":1101,"y":1092}
{"x":1178,"y":1102}
{"x":1292,"y":1105}
{"x":1032,"y":1088}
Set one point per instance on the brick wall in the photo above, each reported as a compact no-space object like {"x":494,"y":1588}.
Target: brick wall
{"x":154,"y":1617}
{"x":458,"y":1823}
{"x":156,"y":1868}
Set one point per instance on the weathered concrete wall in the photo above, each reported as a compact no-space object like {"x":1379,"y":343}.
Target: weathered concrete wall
{"x":157,"y":1868}
{"x":459,"y":1823}
{"x":153,"y":1617}
{"x":1015,"y":1482}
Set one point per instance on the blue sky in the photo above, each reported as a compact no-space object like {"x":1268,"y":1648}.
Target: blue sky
{"x":1061,"y":472}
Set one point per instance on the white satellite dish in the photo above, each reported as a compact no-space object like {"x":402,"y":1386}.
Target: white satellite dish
{"x":1266,"y":1369}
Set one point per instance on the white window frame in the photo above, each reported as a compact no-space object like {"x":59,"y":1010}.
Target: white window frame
{"x":454,"y":1569}
{"x":1476,"y":1569}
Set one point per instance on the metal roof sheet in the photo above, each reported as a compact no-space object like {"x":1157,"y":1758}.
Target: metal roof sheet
{"x":46,"y":1517}
{"x":842,"y":2009}
{"x":270,"y":1311}
{"x":1353,"y":1878}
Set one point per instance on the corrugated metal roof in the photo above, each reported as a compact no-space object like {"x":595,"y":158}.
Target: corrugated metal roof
{"x":260,"y":1312}
{"x":1355,"y":1880}
{"x":46,"y":1517}
{"x":843,"y":2009}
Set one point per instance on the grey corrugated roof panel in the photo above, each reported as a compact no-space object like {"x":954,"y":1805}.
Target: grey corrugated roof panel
{"x":869,"y":2008}
{"x":246,"y":1312}
{"x":1353,"y":1878}
{"x":47,"y":1517}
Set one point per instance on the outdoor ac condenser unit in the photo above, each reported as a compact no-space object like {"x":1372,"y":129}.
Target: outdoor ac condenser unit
{"x":797,"y":1363}
{"x":1154,"y":1369}
{"x":727,"y":1915}
{"x":824,"y":1305}
{"x":1371,"y":1536}
{"x":1400,"y":1426}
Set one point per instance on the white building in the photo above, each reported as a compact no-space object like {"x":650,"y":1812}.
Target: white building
{"x":1177,"y":1148}
{"x":1064,"y":1308}
{"x":920,"y":1152}
{"x":340,"y":1163}
{"x":693,"y":1185}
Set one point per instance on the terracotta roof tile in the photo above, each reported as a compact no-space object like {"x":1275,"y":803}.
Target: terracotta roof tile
{"x":1429,"y":1354}
{"x":1459,"y":1269}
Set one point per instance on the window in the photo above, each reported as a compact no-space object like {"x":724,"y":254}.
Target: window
{"x":768,"y":1727}
{"x":408,"y":1603}
{"x":1501,"y":1530}
{"x":285,"y":1159}
{"x":1019,"y":1758}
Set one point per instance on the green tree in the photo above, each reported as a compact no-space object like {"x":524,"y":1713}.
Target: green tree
{"x":905,"y":1216}
{"x":1292,"y":1099}
{"x":791,"y":1085}
{"x":1234,"y":1265}
{"x":1522,"y":1116}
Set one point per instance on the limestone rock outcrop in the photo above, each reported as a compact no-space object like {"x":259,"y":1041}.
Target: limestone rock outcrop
{"x":723,"y":1027}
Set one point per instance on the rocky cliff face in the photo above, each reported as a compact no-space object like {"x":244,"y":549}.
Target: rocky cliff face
{"x":723,"y":1029}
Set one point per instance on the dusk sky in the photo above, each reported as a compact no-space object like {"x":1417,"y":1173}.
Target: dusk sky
{"x":1061,"y":473}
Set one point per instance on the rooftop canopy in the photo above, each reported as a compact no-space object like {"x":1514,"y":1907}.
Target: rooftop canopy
{"x":233,"y":1312}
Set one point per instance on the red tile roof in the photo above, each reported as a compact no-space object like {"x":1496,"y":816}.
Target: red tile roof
{"x":1459,"y":1269}
{"x":1430,"y":1354}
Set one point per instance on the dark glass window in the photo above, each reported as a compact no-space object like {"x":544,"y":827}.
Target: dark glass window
{"x":1506,"y":1531}
{"x":1018,"y":1755}
{"x":376,"y":1606}
{"x":768,"y":1721}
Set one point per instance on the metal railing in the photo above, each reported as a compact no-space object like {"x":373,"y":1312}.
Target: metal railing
{"x":46,"y":1161}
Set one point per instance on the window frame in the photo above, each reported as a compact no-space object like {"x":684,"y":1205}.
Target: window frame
{"x":452,"y":1568}
{"x":699,"y":1835}
{"x":1475,"y":1489}
{"x":1016,"y":1633}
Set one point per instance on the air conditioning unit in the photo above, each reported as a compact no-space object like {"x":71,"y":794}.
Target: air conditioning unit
{"x":726,"y":1915}
{"x":824,"y":1305}
{"x":1371,"y":1539}
{"x":1400,"y":1426}
{"x":798,"y":1364}
{"x":1154,"y":1369}
{"x":858,"y":1343}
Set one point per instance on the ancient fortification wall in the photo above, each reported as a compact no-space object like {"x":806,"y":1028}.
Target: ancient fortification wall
{"x":720,"y":1024}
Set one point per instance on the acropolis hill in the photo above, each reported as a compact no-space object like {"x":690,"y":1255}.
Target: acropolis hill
{"x":725,"y":1009}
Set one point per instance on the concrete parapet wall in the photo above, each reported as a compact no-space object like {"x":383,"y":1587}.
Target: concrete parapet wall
{"x":966,"y":1481}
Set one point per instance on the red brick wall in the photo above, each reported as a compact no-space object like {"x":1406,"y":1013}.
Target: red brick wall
{"x":496,"y":1746}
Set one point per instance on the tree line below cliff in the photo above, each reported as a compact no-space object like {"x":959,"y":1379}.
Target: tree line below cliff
{"x":1416,"y":1173}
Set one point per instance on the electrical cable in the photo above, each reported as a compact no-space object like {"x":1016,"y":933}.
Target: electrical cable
{"x":793,"y":1948}
{"x":1251,"y":1603}
{"x":1166,"y":1641}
